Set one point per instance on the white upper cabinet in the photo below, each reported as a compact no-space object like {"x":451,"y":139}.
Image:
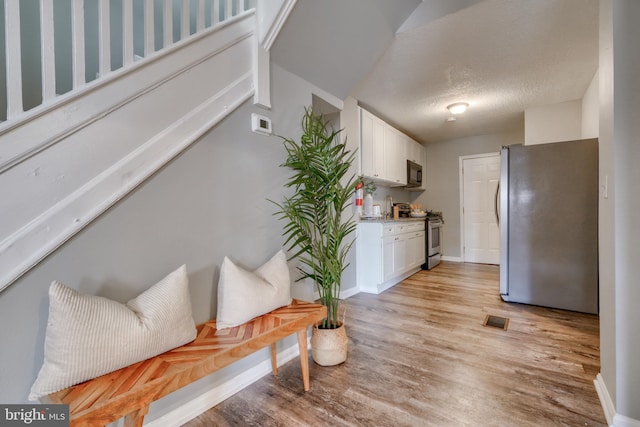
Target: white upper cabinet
{"x":415,"y":151}
{"x":382,"y":151}
{"x":372,"y":145}
{"x":395,"y":156}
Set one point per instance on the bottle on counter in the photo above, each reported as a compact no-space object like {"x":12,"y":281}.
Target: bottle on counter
{"x":368,"y":205}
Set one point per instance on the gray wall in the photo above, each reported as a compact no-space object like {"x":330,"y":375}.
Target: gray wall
{"x":207,"y":203}
{"x":443,"y":179}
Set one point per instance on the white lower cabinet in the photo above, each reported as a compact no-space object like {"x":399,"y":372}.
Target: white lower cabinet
{"x":387,"y":257}
{"x":387,"y":253}
{"x":416,"y":248}
{"x":394,"y":255}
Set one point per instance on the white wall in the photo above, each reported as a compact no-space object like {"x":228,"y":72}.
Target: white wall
{"x":626,"y":38}
{"x":553,"y":123}
{"x":619,"y":233}
{"x":209,"y":202}
{"x":565,"y":121}
{"x":348,"y":122}
{"x":590,"y":110}
{"x":606,"y":223}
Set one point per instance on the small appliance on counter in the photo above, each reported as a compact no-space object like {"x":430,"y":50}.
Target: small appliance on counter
{"x":404,"y":210}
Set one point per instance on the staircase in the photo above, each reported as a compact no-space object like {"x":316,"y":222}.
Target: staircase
{"x":113,"y":92}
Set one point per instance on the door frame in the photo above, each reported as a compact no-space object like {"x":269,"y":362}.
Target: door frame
{"x":461,"y":160}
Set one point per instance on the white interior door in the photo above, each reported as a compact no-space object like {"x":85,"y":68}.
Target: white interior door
{"x":481,"y":176}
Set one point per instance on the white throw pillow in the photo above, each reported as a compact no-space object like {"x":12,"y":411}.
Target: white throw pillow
{"x":88,"y":336}
{"x":243,"y":295}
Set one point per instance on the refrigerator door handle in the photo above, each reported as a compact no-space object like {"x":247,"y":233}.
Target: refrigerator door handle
{"x":497,"y":204}
{"x":503,"y":199}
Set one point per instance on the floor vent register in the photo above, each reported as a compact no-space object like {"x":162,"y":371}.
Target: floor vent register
{"x":496,"y":322}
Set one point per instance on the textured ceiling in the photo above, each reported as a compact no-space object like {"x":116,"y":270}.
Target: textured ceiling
{"x":500,"y":56}
{"x":335,"y":43}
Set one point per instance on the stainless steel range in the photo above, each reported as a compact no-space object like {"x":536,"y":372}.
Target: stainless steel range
{"x":434,"y":234}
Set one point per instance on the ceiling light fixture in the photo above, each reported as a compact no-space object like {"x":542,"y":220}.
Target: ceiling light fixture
{"x":457,"y":108}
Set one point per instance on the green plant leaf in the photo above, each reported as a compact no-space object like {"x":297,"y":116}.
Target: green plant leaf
{"x":323,"y":187}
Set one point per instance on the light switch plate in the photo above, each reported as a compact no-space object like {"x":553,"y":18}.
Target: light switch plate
{"x":260,"y":124}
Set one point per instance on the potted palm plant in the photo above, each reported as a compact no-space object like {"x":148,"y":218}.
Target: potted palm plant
{"x":315,"y":231}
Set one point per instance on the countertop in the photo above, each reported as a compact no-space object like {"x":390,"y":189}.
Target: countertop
{"x":386,"y":220}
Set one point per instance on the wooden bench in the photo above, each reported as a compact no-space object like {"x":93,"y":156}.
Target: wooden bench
{"x":129,"y":391}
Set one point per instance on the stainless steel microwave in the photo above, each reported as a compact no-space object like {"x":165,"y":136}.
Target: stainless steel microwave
{"x":414,"y":174}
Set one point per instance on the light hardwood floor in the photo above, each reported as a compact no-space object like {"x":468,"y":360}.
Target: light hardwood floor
{"x":420,"y":356}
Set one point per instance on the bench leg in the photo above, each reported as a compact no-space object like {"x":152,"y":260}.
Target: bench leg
{"x":274,"y":361}
{"x":135,"y":419}
{"x":304,"y":357}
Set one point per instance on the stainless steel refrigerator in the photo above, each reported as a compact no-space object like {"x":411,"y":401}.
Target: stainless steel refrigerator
{"x":548,"y":198}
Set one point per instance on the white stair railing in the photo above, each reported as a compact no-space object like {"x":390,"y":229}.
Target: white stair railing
{"x":178,"y":77}
{"x":90,"y":41}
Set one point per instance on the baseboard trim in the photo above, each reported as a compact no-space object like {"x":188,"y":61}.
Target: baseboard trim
{"x":378,"y":289}
{"x":613,"y":419}
{"x":605,"y":399}
{"x":451,"y":258}
{"x":211,"y":398}
{"x":343,"y":294}
{"x":349,"y":292}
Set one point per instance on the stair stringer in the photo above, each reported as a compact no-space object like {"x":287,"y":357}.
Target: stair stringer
{"x":82,"y":157}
